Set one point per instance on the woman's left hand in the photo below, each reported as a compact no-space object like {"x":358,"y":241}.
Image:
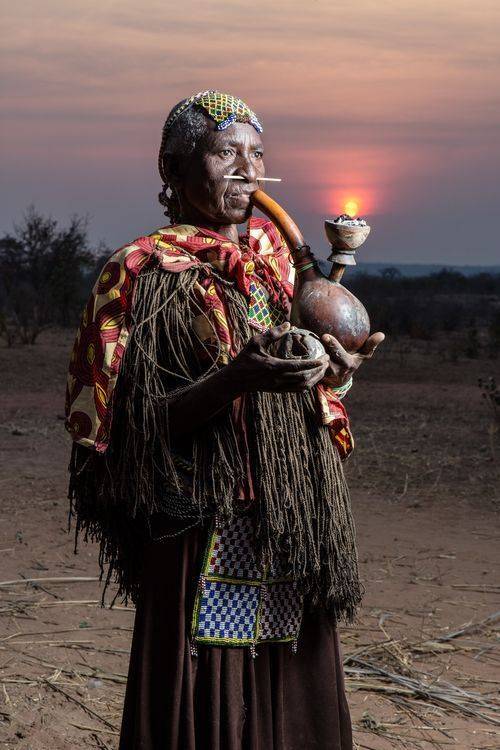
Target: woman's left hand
{"x":342,"y":363}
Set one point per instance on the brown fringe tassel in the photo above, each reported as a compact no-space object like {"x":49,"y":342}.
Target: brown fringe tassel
{"x":303,"y":507}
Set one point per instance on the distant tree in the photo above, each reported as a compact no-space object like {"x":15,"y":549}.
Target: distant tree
{"x":42,"y":270}
{"x":448,"y":280}
{"x":390,"y":273}
{"x":70,"y":256}
{"x":494,"y":335}
{"x":101,"y":256}
{"x":423,"y":307}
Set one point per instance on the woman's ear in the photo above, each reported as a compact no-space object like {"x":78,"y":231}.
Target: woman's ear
{"x":172,"y":170}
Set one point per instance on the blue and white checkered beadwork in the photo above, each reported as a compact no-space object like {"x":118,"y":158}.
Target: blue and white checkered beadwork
{"x":238,"y":602}
{"x":228,"y":611}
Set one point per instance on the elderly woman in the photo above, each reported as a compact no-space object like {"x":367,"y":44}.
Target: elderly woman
{"x":209,"y":469}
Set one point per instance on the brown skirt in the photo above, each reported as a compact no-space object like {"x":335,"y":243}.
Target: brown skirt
{"x":224,"y":699}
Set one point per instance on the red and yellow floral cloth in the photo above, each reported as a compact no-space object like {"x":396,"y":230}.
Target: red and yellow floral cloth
{"x":260,"y":265}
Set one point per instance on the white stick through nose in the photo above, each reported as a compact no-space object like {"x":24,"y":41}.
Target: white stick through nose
{"x":259,"y":179}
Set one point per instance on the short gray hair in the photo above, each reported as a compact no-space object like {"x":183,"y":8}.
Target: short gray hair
{"x":180,"y":140}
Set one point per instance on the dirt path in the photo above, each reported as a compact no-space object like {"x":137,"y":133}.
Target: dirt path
{"x":425,"y":492}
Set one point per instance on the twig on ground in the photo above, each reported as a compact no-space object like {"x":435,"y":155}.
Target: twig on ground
{"x":86,"y":708}
{"x":50,"y":579}
{"x":471,"y":627}
{"x":93,"y":729}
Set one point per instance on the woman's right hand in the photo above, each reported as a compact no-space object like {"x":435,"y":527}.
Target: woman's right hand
{"x":254,"y":369}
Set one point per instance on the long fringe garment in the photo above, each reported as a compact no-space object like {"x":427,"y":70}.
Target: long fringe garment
{"x":302,"y":505}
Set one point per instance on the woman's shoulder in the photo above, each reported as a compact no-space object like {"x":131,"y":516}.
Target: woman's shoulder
{"x":130,"y":258}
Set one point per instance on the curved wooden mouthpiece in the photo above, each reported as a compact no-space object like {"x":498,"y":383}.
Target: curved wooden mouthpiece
{"x":288,"y":228}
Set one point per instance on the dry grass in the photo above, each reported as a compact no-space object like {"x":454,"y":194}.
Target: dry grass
{"x":423,"y":703}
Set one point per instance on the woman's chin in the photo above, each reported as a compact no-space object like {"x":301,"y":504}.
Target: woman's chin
{"x":236,"y":214}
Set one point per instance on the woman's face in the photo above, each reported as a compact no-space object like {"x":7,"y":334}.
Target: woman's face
{"x":205,"y":195}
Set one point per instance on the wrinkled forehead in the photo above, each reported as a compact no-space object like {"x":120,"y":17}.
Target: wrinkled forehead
{"x":239,"y":134}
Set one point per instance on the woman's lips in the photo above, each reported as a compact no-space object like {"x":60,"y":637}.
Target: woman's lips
{"x":240,"y":198}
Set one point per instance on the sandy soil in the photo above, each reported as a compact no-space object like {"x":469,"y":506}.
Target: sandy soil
{"x":426,"y":494}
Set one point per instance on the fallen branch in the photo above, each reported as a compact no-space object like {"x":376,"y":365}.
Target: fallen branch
{"x":471,"y":627}
{"x":93,"y":729}
{"x":452,"y":697}
{"x":86,"y":708}
{"x":49,"y":579}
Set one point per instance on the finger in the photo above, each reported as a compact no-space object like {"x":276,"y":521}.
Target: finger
{"x":310,"y":371}
{"x":335,"y":349}
{"x":295,"y":383}
{"x":371,"y":344}
{"x":295,"y":365}
{"x":273,"y":334}
{"x":305,"y":376}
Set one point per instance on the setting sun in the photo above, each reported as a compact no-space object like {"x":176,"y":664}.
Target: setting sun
{"x":351,"y":208}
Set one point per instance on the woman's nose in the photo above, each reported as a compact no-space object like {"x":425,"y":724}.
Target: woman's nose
{"x":247,"y":170}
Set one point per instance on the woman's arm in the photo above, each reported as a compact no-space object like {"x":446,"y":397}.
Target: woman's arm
{"x":254,"y":369}
{"x":199,"y":402}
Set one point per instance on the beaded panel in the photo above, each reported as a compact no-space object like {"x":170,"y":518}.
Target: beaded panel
{"x":280,"y":611}
{"x":239,"y":602}
{"x":228,"y":611}
{"x":231,"y":553}
{"x":261,"y":314}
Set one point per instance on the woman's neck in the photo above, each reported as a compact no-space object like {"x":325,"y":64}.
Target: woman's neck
{"x":226,"y":230}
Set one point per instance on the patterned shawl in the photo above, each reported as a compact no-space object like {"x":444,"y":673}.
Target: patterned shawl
{"x":261,"y":261}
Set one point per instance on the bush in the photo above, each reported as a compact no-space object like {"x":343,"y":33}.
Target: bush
{"x":424,"y":306}
{"x":44,"y":276}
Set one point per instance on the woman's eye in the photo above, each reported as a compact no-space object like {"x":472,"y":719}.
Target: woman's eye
{"x":258,"y":154}
{"x":226,"y":152}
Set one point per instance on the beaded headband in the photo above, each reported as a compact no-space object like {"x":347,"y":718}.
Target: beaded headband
{"x":224,"y":109}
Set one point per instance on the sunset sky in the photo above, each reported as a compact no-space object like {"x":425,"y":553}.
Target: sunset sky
{"x":394,"y":104}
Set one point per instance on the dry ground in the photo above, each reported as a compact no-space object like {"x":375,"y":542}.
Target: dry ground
{"x":426,"y":497}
